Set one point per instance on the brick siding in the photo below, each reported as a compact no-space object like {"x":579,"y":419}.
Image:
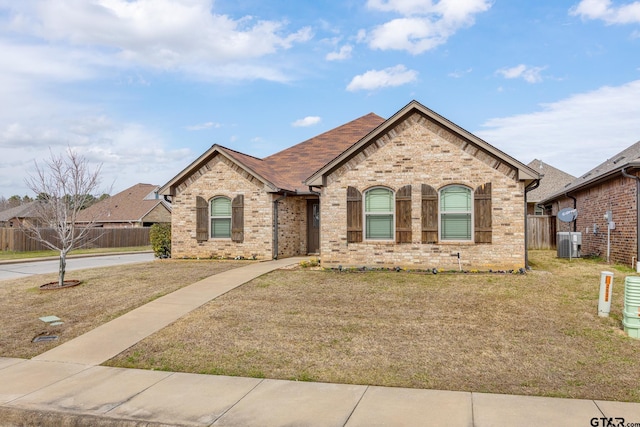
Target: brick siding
{"x":419,"y":152}
{"x":220,"y":177}
{"x":617,"y":195}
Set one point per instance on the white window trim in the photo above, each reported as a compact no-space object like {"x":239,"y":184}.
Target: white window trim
{"x":365,"y":214}
{"x":211,"y":218}
{"x":471,"y":215}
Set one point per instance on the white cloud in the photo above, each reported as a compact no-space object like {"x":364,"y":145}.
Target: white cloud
{"x":307,"y":121}
{"x":124,"y":150}
{"x":161,"y":34}
{"x":574,"y":134}
{"x":389,"y":77}
{"x":425,"y":24}
{"x":460,"y":74}
{"x":203,"y":126}
{"x":605,"y":11}
{"x":528,"y":74}
{"x":342,"y":54}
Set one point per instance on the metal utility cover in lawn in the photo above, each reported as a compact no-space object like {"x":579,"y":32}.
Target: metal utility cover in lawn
{"x":49,"y":319}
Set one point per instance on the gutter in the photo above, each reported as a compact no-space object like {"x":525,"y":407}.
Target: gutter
{"x":534,"y":184}
{"x":626,"y":175}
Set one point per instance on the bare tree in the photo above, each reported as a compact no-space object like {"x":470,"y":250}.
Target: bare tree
{"x":64,"y":184}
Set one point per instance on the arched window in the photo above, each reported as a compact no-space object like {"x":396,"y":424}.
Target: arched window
{"x":455,"y":213}
{"x":379,"y":214}
{"x":220,"y":217}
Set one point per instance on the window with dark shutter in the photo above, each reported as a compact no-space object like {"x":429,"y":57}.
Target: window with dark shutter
{"x":202,"y":219}
{"x":482,"y":213}
{"x":403,"y":215}
{"x":354,"y":215}
{"x":237,"y":219}
{"x":429,"y":214}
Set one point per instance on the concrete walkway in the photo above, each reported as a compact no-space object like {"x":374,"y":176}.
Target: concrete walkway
{"x":65,"y":386}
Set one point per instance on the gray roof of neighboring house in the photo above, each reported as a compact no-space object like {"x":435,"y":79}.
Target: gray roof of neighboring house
{"x":26,"y":210}
{"x":627,"y":158}
{"x":552,"y":180}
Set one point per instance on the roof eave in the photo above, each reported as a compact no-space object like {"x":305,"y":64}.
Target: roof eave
{"x":168,"y":189}
{"x":593,"y":181}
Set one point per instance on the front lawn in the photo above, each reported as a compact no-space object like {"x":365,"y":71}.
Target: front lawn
{"x":533,"y":334}
{"x":105,"y":293}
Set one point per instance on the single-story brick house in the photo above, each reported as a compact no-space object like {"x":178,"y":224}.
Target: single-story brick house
{"x":414,"y":190}
{"x":24,"y":215}
{"x":611,"y":186}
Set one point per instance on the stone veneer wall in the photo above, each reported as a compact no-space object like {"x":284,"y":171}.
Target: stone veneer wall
{"x":220,"y":177}
{"x":292,"y":226}
{"x":417,"y":152}
{"x":617,"y":195}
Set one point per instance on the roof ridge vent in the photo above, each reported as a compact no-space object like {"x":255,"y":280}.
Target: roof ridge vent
{"x":618,"y":159}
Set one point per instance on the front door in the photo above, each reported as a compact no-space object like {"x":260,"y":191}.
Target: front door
{"x":313,"y":226}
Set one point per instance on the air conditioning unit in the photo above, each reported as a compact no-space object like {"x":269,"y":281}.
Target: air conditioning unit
{"x":569,"y":244}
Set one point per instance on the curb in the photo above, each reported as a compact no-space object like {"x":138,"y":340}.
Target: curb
{"x":55,"y":258}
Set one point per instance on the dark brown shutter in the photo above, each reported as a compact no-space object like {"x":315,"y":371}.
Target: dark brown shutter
{"x":354,"y":215}
{"x":429,"y":214}
{"x":202,"y":219}
{"x":237,"y":219}
{"x":403,"y":215}
{"x":482,"y":213}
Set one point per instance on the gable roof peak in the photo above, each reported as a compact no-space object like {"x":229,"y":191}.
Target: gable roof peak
{"x":524,"y":173}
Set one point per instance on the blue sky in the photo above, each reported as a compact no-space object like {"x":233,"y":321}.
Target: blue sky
{"x":143,"y":87}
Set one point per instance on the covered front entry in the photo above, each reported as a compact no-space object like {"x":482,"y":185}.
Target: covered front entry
{"x":313,"y":226}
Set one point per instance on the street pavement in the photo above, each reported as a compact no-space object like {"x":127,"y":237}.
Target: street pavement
{"x":15,"y":270}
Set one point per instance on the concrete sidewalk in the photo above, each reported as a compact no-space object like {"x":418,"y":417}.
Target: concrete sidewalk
{"x":64,"y":386}
{"x":46,"y":393}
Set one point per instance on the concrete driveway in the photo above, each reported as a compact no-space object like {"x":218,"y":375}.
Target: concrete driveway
{"x":14,"y":270}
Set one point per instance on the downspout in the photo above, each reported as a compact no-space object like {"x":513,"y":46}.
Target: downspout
{"x":275,"y":227}
{"x":317,"y":193}
{"x":535,"y":184}
{"x":575,"y":206}
{"x":626,"y":175}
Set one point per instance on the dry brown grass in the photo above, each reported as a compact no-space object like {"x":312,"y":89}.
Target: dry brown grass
{"x":104,"y":294}
{"x":537,"y":334}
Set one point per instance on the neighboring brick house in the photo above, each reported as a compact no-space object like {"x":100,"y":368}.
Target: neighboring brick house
{"x":552,"y":180}
{"x":24,"y":215}
{"x":610,"y":186}
{"x":415,"y":191}
{"x":137,"y":206}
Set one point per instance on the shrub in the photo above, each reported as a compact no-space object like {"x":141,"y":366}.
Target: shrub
{"x":160,"y":236}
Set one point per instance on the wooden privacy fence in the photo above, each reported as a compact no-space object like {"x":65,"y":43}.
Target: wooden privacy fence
{"x":541,"y":232}
{"x":15,"y":239}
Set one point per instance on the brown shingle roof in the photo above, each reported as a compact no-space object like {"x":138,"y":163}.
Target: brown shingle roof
{"x":287,"y":169}
{"x":129,"y":205}
{"x":297,"y":163}
{"x":552,"y":180}
{"x":298,"y":167}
